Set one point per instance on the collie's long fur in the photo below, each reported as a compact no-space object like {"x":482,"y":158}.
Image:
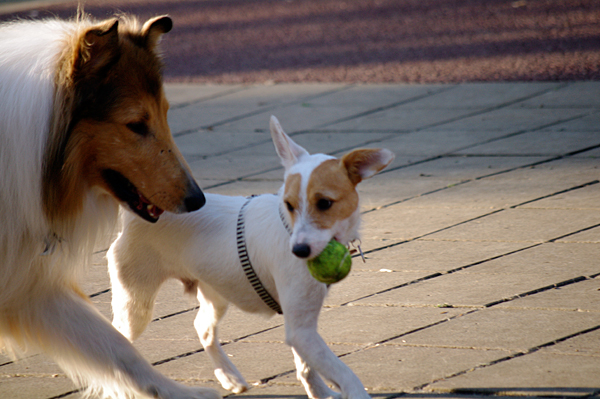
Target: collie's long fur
{"x":82,"y":129}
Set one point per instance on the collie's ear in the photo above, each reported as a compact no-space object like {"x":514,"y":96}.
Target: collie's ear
{"x":98,"y":47}
{"x":362,"y":164}
{"x":154,"y":28}
{"x":288,"y":151}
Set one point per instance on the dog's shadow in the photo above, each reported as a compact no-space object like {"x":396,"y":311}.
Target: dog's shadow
{"x":461,"y":393}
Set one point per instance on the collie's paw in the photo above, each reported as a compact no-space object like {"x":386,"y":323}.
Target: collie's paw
{"x":231,"y":381}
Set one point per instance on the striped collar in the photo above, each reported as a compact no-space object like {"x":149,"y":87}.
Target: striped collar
{"x":247,"y":265}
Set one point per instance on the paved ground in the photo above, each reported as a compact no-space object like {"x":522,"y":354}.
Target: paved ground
{"x":482,"y":240}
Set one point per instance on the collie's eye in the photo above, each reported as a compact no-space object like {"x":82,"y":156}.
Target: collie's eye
{"x":289,"y":206}
{"x":140,"y":128}
{"x":323,"y":204}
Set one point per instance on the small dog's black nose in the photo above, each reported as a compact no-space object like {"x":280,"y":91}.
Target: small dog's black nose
{"x":301,"y":250}
{"x":195,"y":199}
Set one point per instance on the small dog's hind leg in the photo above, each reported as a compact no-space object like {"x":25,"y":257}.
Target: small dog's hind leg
{"x":212,"y":309}
{"x":313,"y":383}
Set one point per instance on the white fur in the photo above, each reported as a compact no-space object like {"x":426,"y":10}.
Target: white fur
{"x":201,"y":247}
{"x":38,"y":306}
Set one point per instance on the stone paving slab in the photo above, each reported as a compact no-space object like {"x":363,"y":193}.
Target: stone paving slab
{"x":588,"y":236}
{"x":576,"y":95}
{"x":507,"y":276}
{"x":180,"y":94}
{"x":583,"y":296}
{"x":503,"y":329}
{"x":482,"y":240}
{"x":521,"y":225}
{"x":382,"y":95}
{"x":514,"y":118}
{"x":537,"y":143}
{"x":547,"y":375}
{"x":401,"y":119}
{"x":488,"y":95}
{"x":587,"y":122}
{"x":430,"y":256}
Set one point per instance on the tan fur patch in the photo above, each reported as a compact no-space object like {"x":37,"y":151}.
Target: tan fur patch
{"x":292,"y":193}
{"x":330,"y":181}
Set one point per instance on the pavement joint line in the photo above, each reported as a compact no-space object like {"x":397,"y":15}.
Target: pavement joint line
{"x":65,"y":394}
{"x":95,"y":294}
{"x":507,"y":358}
{"x":575,"y":232}
{"x":591,"y":183}
{"x":538,"y":290}
{"x":261,"y":110}
{"x":175,"y":314}
{"x":180,"y":356}
{"x":430,"y":325}
{"x":388,"y":106}
{"x":212,"y":97}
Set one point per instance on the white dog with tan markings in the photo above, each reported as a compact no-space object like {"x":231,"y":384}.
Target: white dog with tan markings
{"x":252,"y":252}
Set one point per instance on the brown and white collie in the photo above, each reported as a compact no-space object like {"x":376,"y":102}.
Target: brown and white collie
{"x":83,"y":128}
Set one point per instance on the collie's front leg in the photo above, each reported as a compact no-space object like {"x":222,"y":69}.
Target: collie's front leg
{"x":93,"y":353}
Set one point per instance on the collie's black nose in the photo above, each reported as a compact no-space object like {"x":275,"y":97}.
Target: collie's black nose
{"x":301,"y":250}
{"x":195,"y":199}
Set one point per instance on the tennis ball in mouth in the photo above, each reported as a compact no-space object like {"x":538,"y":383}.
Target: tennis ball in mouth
{"x":332,"y":265}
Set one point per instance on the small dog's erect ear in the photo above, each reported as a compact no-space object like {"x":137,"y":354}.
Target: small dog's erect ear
{"x":364,"y":163}
{"x":154,"y":28}
{"x":97,"y":48}
{"x":288,"y":151}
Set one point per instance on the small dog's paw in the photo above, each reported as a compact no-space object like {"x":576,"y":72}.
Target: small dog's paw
{"x":231,"y":381}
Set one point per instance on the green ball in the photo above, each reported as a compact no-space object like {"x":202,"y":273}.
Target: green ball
{"x":332,"y":265}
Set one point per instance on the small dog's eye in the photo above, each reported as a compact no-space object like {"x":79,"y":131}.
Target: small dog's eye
{"x":140,"y":128}
{"x":289,"y":206}
{"x":324,"y":204}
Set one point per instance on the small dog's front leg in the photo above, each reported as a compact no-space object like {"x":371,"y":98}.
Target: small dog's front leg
{"x":301,"y":334}
{"x":313,"y":383}
{"x":314,"y":351}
